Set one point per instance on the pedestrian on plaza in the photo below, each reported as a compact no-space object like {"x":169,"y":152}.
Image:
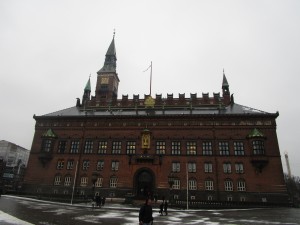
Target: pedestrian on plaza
{"x":166,"y":208}
{"x":145,"y":213}
{"x":98,"y":201}
{"x":103,"y":201}
{"x":161,"y":208}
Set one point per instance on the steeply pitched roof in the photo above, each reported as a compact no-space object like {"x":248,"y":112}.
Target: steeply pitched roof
{"x":88,"y":86}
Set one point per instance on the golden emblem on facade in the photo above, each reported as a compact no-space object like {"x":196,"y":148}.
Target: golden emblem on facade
{"x":149,"y":102}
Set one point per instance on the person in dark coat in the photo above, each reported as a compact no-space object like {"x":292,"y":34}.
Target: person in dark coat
{"x":161,"y":208}
{"x":166,"y":208}
{"x":145,"y":214}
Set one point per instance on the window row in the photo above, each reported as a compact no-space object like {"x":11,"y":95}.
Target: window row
{"x":208,"y":167}
{"x":84,"y":181}
{"x":161,"y":147}
{"x":113,"y":183}
{"x":191,"y":166}
{"x":86,"y":165}
{"x":209,"y":185}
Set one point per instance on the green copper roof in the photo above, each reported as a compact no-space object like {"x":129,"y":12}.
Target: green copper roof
{"x":88,"y":86}
{"x":255,"y":133}
{"x":49,"y":133}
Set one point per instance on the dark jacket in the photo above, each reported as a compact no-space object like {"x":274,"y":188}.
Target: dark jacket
{"x":145,"y":214}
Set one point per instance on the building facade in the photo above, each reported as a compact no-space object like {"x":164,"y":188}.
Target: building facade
{"x":13,"y":162}
{"x":204,"y":148}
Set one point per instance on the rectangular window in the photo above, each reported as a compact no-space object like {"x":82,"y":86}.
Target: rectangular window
{"x":74,"y":147}
{"x":208,"y":167}
{"x":191,"y":148}
{"x":176,"y":184}
{"x":46,"y":145}
{"x":192,"y":184}
{"x":239,"y":168}
{"x":115,"y":165}
{"x":68,"y":181}
{"x":116,"y":147}
{"x":102,"y":147}
{"x":130,"y":147}
{"x":84,"y":181}
{"x":99,"y":182}
{"x":258,"y":147}
{"x":70,"y":164}
{"x":176,"y":167}
{"x":85,"y":164}
{"x":224,"y":148}
{"x":228,"y":185}
{"x":100,"y":165}
{"x":160,"y":147}
{"x":62,"y":146}
{"x":192,"y":167}
{"x":209,"y":185}
{"x":227,"y":167}
{"x":88,"y":147}
{"x":241,"y":185}
{"x":238,"y":148}
{"x":175,"y":147}
{"x":207,"y":148}
{"x":113,"y":182}
{"x":57,"y":180}
{"x":60,"y":164}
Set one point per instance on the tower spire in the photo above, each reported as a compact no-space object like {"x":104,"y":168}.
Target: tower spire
{"x":110,"y":63}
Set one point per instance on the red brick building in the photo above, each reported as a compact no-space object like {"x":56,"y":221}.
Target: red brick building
{"x":220,"y":150}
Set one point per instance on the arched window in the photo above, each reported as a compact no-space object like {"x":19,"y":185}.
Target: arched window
{"x":209,"y":185}
{"x":84,"y":181}
{"x":57,"y":179}
{"x":99,"y":182}
{"x":192,"y":184}
{"x":113,"y":182}
{"x":241,"y":185}
{"x":68,"y":180}
{"x":228,"y":185}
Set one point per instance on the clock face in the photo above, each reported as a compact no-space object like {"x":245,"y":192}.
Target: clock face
{"x":104,"y":80}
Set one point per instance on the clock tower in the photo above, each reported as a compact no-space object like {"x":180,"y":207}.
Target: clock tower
{"x":107,"y":79}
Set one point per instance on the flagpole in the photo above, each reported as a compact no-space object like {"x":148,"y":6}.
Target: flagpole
{"x":75,"y":176}
{"x":150,"y":78}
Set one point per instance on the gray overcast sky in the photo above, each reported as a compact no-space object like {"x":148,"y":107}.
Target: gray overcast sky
{"x":49,"y":48}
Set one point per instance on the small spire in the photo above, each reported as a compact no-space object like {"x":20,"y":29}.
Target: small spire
{"x":225,"y":82}
{"x":114,"y":33}
{"x":88,"y":85}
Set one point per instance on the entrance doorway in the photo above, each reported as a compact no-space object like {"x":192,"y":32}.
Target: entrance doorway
{"x":144,"y":183}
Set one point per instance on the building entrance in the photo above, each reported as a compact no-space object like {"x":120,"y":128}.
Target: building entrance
{"x":144,"y":181}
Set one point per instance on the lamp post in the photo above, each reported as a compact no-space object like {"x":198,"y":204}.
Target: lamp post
{"x":171,"y":179}
{"x":94,"y":179}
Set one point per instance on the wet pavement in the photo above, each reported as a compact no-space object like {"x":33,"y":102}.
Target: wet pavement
{"x":23,"y":211}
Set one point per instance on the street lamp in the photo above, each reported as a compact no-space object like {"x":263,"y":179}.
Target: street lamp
{"x":171,"y":179}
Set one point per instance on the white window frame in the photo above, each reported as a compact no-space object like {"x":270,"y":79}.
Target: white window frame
{"x":228,"y":185}
{"x":241,"y":185}
{"x":99,"y":182}
{"x":57,"y":180}
{"x":68,"y":180}
{"x":209,"y":185}
{"x":208,"y":167}
{"x":84,"y":181}
{"x":192,"y":184}
{"x":113,"y":181}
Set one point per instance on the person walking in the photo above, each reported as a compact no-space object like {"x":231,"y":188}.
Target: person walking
{"x":166,"y":208}
{"x":161,"y":208}
{"x":145,"y":213}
